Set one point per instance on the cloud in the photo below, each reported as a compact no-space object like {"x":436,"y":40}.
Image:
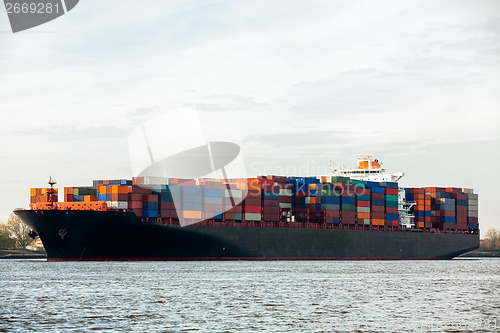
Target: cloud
{"x":73,"y":132}
{"x":225,"y":103}
{"x":299,"y":139}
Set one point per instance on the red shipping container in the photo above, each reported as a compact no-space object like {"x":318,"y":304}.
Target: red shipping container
{"x":135,"y":205}
{"x":136,"y":190}
{"x":235,"y":209}
{"x":135,"y":197}
{"x":214,"y":208}
{"x":348,"y":220}
{"x":377,"y":209}
{"x":270,"y":203}
{"x":391,"y":210}
{"x":449,"y":213}
{"x":391,"y":191}
{"x":268,"y":217}
{"x":253,"y":209}
{"x":249,"y":201}
{"x":348,"y":213}
{"x":166,"y":205}
{"x":332,"y":213}
{"x":168,"y":213}
{"x":378,"y":196}
{"x":122,"y":197}
{"x":378,"y":215}
{"x":270,"y":210}
{"x":285,"y":199}
{"x":150,"y":198}
{"x":214,"y":185}
{"x":362,"y":191}
{"x":361,"y":203}
{"x":285,"y":186}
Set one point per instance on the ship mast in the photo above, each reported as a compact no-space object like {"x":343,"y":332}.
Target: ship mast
{"x":50,"y":192}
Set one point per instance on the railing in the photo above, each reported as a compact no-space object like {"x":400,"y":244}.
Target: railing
{"x":307,"y":225}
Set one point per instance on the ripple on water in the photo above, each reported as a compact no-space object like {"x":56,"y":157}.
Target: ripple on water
{"x":414,"y":296}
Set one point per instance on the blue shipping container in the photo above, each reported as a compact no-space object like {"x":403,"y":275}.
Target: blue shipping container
{"x":391,"y":204}
{"x":349,"y":200}
{"x":392,"y":217}
{"x":213,"y":193}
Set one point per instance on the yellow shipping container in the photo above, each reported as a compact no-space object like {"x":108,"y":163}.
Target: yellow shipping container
{"x":33,"y":192}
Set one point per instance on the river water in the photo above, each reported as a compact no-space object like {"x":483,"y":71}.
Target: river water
{"x":461,"y":295}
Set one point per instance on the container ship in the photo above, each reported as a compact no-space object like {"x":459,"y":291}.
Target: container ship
{"x":353,"y":214}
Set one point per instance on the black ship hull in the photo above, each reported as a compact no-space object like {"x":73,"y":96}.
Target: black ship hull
{"x":110,"y":235}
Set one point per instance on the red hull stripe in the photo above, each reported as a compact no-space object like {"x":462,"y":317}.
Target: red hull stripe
{"x":234,"y":259}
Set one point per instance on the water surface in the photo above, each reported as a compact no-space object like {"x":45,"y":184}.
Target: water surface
{"x":461,"y":295}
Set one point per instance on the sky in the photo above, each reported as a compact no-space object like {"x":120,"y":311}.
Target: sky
{"x":297,"y":84}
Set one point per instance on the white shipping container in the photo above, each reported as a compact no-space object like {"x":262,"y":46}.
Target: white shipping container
{"x":253,"y":216}
{"x":234,"y":193}
{"x":285,"y":205}
{"x":472,"y":196}
{"x":363,"y":209}
{"x":285,"y":192}
{"x":121,"y":204}
{"x":472,"y":214}
{"x":150,"y":180}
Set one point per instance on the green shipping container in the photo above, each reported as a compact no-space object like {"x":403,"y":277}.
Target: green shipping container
{"x":340,"y":179}
{"x":347,"y":206}
{"x":358,"y":183}
{"x":391,"y":198}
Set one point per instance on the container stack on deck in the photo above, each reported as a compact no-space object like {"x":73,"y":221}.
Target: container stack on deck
{"x":42,"y":195}
{"x":330,"y":200}
{"x":377,"y":199}
{"x":363,"y":206}
{"x":472,"y":211}
{"x":443,"y":208}
{"x":422,"y":209}
{"x":391,"y":203}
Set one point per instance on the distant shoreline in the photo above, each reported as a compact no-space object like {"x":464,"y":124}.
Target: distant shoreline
{"x":20,"y":254}
{"x":481,"y":254}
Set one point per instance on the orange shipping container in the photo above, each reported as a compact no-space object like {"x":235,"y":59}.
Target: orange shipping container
{"x":363,"y":215}
{"x":378,"y":221}
{"x":102,"y":189}
{"x":191,"y":214}
{"x":123,"y":189}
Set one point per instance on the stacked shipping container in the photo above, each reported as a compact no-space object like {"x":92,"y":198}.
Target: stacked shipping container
{"x":331,"y":200}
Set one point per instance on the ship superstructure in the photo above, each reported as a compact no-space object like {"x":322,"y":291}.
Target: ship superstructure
{"x":370,"y":169}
